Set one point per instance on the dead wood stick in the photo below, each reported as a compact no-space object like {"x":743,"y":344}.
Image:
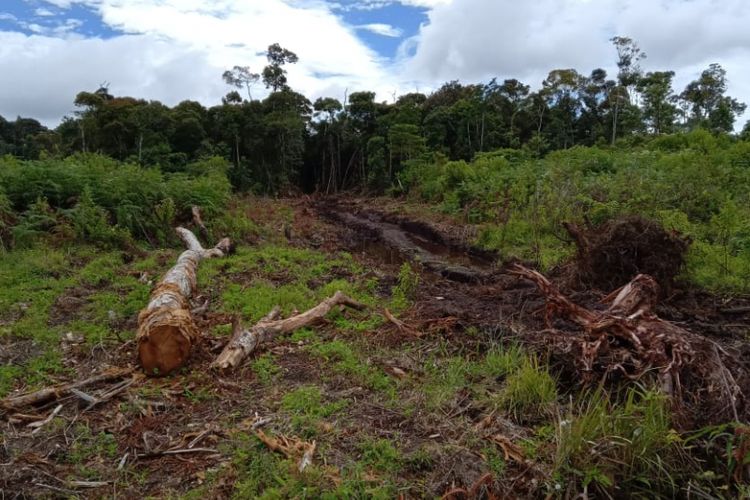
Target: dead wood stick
{"x":56,"y":489}
{"x":402,"y":327}
{"x":93,"y":401}
{"x":38,"y":425}
{"x":182,"y":451}
{"x":56,"y":392}
{"x":87,"y":484}
{"x":307,"y":456}
{"x":736,"y":310}
{"x":245,"y":341}
{"x":198,"y":221}
{"x":290,"y":447}
{"x":166,"y":331}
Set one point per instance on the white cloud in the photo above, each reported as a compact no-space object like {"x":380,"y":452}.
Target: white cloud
{"x":382,"y":29}
{"x":48,"y":72}
{"x":379,"y":4}
{"x":63,"y":4}
{"x":177,"y":49}
{"x":42,"y":12}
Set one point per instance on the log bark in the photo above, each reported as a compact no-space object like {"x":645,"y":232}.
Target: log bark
{"x":166,"y":331}
{"x":245,"y":341}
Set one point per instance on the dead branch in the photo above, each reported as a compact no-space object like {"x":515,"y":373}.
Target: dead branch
{"x":182,"y":451}
{"x":244,"y":341}
{"x":62,"y":390}
{"x":402,"y":327}
{"x":166,"y":331}
{"x":38,"y":425}
{"x":198,"y":221}
{"x":290,"y":447}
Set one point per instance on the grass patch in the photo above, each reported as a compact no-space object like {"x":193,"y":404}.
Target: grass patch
{"x":345,"y":360}
{"x":629,"y":444}
{"x":265,"y":368}
{"x":307,"y":409}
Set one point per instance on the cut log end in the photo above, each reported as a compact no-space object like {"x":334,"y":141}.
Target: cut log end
{"x":166,"y":349}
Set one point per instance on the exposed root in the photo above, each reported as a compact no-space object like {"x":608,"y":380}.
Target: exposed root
{"x":629,"y":339}
{"x":613,"y":253}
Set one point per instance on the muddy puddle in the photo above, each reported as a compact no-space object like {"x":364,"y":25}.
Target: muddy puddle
{"x":392,"y":244}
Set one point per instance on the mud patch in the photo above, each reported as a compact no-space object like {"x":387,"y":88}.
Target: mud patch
{"x":67,"y":306}
{"x":394,"y":243}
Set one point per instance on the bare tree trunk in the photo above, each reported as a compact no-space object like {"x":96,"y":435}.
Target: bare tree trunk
{"x":614,"y":123}
{"x":166,"y":332}
{"x":245,"y":341}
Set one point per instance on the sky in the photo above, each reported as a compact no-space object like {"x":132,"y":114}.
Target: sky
{"x":172,"y":50}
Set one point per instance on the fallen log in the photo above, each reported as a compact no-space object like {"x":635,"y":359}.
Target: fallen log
{"x":166,"y":331}
{"x":629,"y":338}
{"x":244,"y":341}
{"x":59,"y":391}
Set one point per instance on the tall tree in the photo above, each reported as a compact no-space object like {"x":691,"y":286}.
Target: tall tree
{"x":241,"y":76}
{"x":274,"y":75}
{"x":629,"y":55}
{"x":659,"y":109}
{"x":561,"y":93}
{"x":709,"y":107}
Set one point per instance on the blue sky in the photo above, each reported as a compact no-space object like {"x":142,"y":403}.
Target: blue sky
{"x":381,"y":26}
{"x":36,"y":17}
{"x":172,"y":50}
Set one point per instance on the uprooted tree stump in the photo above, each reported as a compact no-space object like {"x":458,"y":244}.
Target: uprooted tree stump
{"x":629,"y":338}
{"x":245,"y":341}
{"x":611,"y":254}
{"x":166,"y":331}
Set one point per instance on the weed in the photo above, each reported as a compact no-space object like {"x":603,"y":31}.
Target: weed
{"x":630,"y":444}
{"x":380,"y":455}
{"x":403,"y":292}
{"x":307,"y":408}
{"x":529,"y":390}
{"x":265,"y":368}
{"x":346,"y":361}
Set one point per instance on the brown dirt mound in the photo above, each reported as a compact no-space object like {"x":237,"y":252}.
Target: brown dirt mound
{"x":611,"y":254}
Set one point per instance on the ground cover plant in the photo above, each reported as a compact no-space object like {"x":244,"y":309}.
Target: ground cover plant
{"x":453,"y":397}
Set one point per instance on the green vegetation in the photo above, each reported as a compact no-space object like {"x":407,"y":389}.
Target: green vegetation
{"x":307,"y":408}
{"x":692,"y":183}
{"x":630,"y":444}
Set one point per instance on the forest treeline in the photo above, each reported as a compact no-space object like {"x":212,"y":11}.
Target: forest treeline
{"x":286,"y":141}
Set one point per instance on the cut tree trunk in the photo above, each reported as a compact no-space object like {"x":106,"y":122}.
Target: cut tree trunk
{"x":166,"y":332}
{"x":244,"y":341}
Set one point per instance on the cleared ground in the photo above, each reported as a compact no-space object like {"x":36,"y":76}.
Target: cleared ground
{"x":455,"y":397}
